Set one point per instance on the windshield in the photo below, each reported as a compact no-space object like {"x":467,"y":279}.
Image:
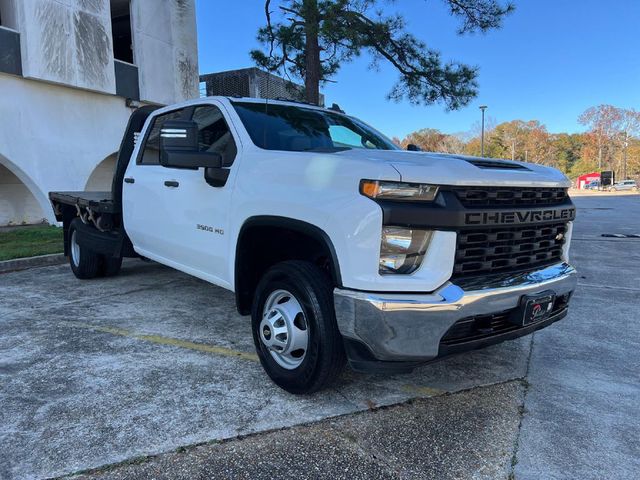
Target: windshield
{"x":299,"y":129}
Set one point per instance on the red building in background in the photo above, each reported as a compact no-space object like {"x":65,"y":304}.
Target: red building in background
{"x":586,"y":178}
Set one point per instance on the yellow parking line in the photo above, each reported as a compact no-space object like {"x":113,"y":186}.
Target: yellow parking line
{"x":174,"y":342}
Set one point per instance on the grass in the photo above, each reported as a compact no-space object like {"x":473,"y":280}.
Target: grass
{"x":30,"y":241}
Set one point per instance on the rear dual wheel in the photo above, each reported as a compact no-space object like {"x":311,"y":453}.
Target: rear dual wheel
{"x":87,"y":264}
{"x":294,"y":327}
{"x":109,"y":266}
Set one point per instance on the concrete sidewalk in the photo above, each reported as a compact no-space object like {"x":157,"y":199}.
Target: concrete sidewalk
{"x":465,"y":435}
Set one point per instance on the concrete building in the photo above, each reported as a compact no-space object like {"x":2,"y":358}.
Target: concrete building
{"x":70,"y":72}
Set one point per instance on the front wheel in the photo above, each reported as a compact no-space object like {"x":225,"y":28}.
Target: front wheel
{"x":294,"y":327}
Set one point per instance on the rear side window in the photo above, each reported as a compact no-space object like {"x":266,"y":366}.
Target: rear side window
{"x":150,"y":154}
{"x":214,"y":134}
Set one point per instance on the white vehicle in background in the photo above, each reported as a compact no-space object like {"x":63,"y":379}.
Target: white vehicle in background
{"x":340,"y":246}
{"x":625,"y":185}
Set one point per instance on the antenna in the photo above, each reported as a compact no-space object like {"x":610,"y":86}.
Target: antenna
{"x":336,"y":108}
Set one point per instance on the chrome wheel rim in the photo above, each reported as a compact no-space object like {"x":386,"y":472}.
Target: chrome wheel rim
{"x":284,"y":329}
{"x":75,"y":249}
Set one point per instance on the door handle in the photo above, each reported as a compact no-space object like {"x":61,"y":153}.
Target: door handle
{"x":129,"y":180}
{"x":171,"y":183}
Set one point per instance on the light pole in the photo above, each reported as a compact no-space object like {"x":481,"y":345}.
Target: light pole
{"x":483,"y":108}
{"x":626,"y":144}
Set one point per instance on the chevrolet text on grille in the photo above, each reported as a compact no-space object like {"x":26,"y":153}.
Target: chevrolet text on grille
{"x":527,"y":216}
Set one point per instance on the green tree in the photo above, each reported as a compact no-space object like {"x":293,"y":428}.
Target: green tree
{"x":567,"y":149}
{"x":312,"y":39}
{"x":508,"y":138}
{"x":491,"y":148}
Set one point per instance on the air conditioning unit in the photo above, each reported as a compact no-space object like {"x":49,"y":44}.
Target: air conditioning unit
{"x":251,"y":82}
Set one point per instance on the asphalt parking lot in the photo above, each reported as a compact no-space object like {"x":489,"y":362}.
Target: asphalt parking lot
{"x":152,"y":374}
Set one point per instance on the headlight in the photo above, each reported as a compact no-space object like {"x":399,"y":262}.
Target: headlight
{"x":418,"y":192}
{"x":402,"y":249}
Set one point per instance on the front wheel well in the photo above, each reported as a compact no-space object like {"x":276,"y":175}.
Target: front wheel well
{"x":266,"y":241}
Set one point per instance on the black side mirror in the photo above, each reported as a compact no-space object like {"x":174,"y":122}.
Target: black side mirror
{"x":179,"y":147}
{"x":413,"y":148}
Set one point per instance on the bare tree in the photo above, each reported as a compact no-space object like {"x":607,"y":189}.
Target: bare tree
{"x":602,"y":122}
{"x":628,"y":127}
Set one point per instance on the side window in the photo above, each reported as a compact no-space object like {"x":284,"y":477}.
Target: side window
{"x":150,"y":154}
{"x":342,"y":136}
{"x":214,"y":134}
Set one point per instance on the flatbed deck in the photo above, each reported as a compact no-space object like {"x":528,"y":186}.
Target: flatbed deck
{"x":101,"y":202}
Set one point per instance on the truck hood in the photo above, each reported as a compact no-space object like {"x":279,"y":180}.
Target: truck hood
{"x":446,"y":169}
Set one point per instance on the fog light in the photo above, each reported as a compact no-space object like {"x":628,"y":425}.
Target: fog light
{"x":402,"y":249}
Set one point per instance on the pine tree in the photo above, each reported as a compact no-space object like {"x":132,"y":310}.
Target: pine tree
{"x":312,"y":39}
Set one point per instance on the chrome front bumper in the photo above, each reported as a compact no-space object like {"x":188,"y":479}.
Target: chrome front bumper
{"x":409,"y":327}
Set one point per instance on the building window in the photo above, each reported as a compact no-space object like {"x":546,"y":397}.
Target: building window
{"x":121,"y":30}
{"x":8,"y":14}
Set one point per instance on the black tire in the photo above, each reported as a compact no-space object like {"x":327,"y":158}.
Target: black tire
{"x":109,"y":266}
{"x":325,"y":357}
{"x":84,"y":263}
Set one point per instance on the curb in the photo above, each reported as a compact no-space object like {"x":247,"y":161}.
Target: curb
{"x":32,"y":262}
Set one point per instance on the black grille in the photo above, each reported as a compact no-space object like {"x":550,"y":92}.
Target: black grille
{"x":487,"y":251}
{"x":484,"y":326}
{"x":472,"y":197}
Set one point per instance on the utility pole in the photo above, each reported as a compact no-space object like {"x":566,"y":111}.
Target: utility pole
{"x":483,"y":108}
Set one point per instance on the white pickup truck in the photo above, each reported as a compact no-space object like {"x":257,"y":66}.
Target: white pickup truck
{"x":340,"y":246}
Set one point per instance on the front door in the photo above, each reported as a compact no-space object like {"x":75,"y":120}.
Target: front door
{"x":173,"y":215}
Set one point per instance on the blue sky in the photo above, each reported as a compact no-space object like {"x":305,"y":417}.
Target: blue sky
{"x":551,"y":60}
